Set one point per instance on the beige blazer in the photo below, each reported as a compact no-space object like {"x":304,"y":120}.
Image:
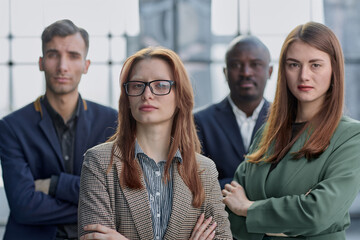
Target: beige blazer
{"x":102,"y":200}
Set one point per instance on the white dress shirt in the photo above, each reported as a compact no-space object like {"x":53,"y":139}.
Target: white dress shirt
{"x":246,"y":124}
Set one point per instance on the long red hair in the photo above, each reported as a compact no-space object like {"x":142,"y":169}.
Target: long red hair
{"x":183,"y":133}
{"x":277,"y":132}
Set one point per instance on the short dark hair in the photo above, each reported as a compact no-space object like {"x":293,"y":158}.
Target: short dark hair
{"x":247,"y":39}
{"x":63,"y":28}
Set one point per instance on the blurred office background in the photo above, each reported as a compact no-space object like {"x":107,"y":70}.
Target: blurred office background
{"x":198,"y":30}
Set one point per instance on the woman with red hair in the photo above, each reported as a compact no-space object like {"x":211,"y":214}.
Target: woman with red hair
{"x":303,"y":170}
{"x":149,"y":181}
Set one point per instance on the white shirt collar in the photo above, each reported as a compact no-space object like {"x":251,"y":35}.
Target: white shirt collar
{"x":246,"y":124}
{"x":238,"y":112}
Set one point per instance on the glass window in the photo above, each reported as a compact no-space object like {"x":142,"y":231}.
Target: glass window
{"x":4,"y":50}
{"x":219,"y":84}
{"x":118,"y":49}
{"x":91,"y":15}
{"x":94,"y":85}
{"x":27,"y":17}
{"x":4,"y":91}
{"x":99,"y":49}
{"x":132,"y":18}
{"x":25,"y":50}
{"x":265,"y":21}
{"x":115,"y":85}
{"x":28,"y":84}
{"x":4,"y":18}
{"x":270,"y":88}
{"x":218,"y":52}
{"x":224,"y":17}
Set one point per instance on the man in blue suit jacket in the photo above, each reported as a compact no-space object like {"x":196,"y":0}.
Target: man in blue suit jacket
{"x":42,"y":144}
{"x":226,"y":129}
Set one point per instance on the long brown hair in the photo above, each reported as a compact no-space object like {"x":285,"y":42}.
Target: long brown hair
{"x":183,"y":132}
{"x":277,"y":132}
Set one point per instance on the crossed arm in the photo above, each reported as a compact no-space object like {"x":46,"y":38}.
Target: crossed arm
{"x":202,"y":231}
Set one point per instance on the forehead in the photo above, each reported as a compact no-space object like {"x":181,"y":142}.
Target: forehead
{"x":151,"y":68}
{"x":71,"y":43}
{"x":247,"y":51}
{"x":302,"y":50}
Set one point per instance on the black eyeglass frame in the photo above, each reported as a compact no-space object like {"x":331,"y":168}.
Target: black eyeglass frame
{"x":171,"y":82}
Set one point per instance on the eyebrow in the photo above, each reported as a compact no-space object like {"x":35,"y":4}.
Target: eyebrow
{"x":51,"y":51}
{"x":56,"y":51}
{"x":251,"y":60}
{"x":311,"y":61}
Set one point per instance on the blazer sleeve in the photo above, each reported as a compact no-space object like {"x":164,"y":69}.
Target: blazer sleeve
{"x":215,"y":207}
{"x":94,"y":200}
{"x":327,"y":202}
{"x":67,"y":188}
{"x":27,"y":205}
{"x":238,"y":223}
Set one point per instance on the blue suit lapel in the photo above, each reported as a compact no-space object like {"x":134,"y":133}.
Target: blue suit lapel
{"x":47,"y":127}
{"x":227,"y":122}
{"x":261,"y":118}
{"x":81,"y":136}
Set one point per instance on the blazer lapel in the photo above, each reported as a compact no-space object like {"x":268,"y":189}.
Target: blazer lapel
{"x":290,"y":167}
{"x":83,"y":131}
{"x":287,"y":168}
{"x":182,"y":200}
{"x":48,"y":129}
{"x":258,"y":183}
{"x":139,"y":207}
{"x":261,"y":118}
{"x":227,"y":122}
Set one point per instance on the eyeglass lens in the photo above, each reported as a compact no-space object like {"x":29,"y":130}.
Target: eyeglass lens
{"x":157,"y":87}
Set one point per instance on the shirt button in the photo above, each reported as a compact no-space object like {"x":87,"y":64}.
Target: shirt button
{"x":157,"y":194}
{"x":157,"y":237}
{"x":66,"y":157}
{"x":157,"y":173}
{"x":158,"y":215}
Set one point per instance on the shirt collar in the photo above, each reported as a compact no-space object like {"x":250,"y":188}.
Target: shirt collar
{"x":239,"y":112}
{"x":138,"y":150}
{"x":56,"y":116}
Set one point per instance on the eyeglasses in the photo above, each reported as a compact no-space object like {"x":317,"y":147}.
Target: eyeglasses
{"x":157,"y":87}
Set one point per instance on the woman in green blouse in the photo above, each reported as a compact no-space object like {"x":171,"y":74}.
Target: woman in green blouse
{"x":303,"y":170}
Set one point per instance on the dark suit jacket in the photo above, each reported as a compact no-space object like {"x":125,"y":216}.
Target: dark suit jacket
{"x":103,"y":200}
{"x":221,"y":139}
{"x":30,"y":150}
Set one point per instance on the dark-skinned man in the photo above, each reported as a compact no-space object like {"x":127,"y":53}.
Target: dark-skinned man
{"x":226,"y":129}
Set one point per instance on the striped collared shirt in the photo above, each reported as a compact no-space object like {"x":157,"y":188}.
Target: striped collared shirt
{"x":160,"y":193}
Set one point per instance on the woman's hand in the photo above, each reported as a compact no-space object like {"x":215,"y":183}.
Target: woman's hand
{"x":101,"y":233}
{"x":201,"y":229}
{"x":236,"y":199}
